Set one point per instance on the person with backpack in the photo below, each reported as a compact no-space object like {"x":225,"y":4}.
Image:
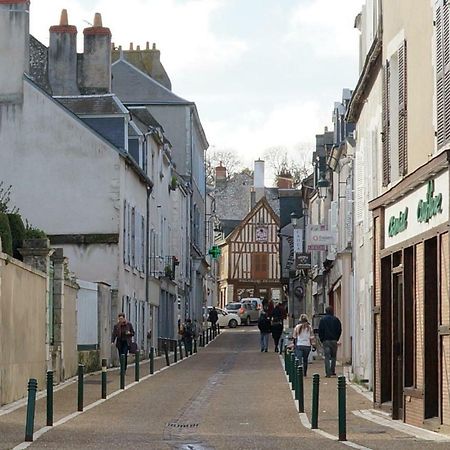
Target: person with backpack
{"x":264,"y":328}
{"x":187,"y":333}
{"x":330,"y":330}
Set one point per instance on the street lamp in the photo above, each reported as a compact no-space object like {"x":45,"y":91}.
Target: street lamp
{"x":322,"y":186}
{"x":294,"y":219}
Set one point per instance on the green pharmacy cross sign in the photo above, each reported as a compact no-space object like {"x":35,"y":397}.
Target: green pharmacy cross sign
{"x":214,"y":251}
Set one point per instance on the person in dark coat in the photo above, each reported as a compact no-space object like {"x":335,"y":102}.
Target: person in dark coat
{"x":264,"y":328}
{"x":213,"y":317}
{"x":277,"y":330}
{"x":187,"y":332}
{"x":330,"y":330}
{"x":278,"y":312}
{"x":122,"y":336}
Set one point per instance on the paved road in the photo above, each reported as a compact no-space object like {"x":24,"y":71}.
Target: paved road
{"x":228,"y":396}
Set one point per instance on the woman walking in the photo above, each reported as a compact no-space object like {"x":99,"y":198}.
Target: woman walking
{"x":277,"y":330}
{"x":303,"y":339}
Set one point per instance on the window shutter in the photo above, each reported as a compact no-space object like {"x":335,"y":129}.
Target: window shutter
{"x":386,"y":128}
{"x":133,"y":236}
{"x":402,"y":112}
{"x":446,"y":68}
{"x":125,"y":230}
{"x":440,"y":103}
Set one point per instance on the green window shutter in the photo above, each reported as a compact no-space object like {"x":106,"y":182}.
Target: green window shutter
{"x":386,"y":153}
{"x":402,"y":112}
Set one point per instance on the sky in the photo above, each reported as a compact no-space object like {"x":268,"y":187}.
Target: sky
{"x":263,"y":73}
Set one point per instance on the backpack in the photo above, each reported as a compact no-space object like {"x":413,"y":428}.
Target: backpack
{"x":187,"y":330}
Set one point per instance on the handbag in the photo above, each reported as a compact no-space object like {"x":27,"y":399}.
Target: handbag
{"x":133,"y":348}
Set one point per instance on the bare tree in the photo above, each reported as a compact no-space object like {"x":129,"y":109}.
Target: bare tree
{"x":227,"y":158}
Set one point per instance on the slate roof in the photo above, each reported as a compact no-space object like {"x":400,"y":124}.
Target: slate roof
{"x":98,"y":105}
{"x":39,"y":64}
{"x":134,"y":86}
{"x":143,"y":115}
{"x":229,"y":225}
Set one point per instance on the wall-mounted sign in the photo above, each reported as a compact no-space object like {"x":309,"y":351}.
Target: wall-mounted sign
{"x":261,"y":234}
{"x":319,"y":238}
{"x":429,"y":206}
{"x":302,"y":261}
{"x":298,"y":240}
{"x":398,"y":224}
{"x":432,"y":205}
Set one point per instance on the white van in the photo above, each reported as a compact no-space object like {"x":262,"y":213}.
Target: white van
{"x":255,"y":302}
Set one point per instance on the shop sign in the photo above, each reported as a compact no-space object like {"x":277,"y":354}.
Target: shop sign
{"x":398,"y":224}
{"x":430,"y":205}
{"x":426,"y":209}
{"x":319,"y":238}
{"x":302,"y":261}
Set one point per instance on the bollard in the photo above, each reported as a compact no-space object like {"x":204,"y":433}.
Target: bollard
{"x":285,"y":361}
{"x":136,"y":365}
{"x":218,"y":329}
{"x":31,"y":406}
{"x":301,"y":393}
{"x":207,"y":336}
{"x":342,"y":408}
{"x":166,"y":354}
{"x":122,"y":371}
{"x":291,"y":365}
{"x":80,"y":386}
{"x":181,"y":349}
{"x":200,"y":340}
{"x":104,"y":379}
{"x":203,"y":338}
{"x":50,"y":398}
{"x":315,"y":402}
{"x":175,"y":352}
{"x":295,"y":383}
{"x":152,"y":360}
{"x":195,"y":345}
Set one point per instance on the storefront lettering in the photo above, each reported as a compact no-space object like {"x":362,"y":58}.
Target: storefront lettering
{"x":426,"y":209}
{"x":398,"y":224}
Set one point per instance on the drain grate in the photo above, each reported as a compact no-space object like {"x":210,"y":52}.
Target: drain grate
{"x":183,"y":425}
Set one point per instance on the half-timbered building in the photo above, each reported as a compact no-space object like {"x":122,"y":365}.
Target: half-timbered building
{"x":249,"y":262}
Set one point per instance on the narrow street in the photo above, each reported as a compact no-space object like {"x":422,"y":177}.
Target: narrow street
{"x":229,"y":395}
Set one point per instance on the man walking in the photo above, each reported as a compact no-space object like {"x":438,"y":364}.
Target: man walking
{"x":213,"y":317}
{"x":122,"y":336}
{"x":330,"y":330}
{"x":265,"y":329}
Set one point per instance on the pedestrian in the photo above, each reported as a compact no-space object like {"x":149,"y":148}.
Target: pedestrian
{"x":213,"y":317}
{"x":277,"y":330}
{"x":122,"y":336}
{"x":187,"y":333}
{"x":278,"y":312}
{"x":330,"y":330}
{"x":303,"y":336}
{"x":264,"y":328}
{"x":270,"y":308}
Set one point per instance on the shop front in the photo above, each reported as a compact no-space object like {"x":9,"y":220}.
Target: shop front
{"x":411,"y":297}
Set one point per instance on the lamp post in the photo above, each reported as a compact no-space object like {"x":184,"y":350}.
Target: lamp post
{"x":294,"y":222}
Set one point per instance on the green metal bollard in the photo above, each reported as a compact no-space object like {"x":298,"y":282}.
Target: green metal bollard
{"x":175,"y":352}
{"x":285,"y":361}
{"x":195,"y":345}
{"x":293,"y":372}
{"x":291,"y":364}
{"x":315,"y":402}
{"x":104,"y":378}
{"x":181,"y":349}
{"x":122,"y":371}
{"x":218,"y":329}
{"x":203,"y":338}
{"x":31,"y":407}
{"x":166,"y":354}
{"x":301,"y":392}
{"x":207,"y":336}
{"x":136,"y":365}
{"x":342,"y":408}
{"x":80,"y":387}
{"x":152,"y":360}
{"x":296,"y":366}
{"x":50,"y":398}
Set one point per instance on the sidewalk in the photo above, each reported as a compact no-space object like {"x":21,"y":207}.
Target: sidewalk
{"x":365,"y":425}
{"x":12,"y":424}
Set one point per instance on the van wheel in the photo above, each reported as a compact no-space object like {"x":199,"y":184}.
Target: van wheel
{"x":232,"y":323}
{"x":247,"y":320}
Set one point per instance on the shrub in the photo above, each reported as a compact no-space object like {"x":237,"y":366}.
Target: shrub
{"x":33,"y":232}
{"x":5,"y":234}
{"x":17,"y":233}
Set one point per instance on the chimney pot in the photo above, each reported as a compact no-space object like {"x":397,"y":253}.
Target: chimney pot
{"x":131,"y":46}
{"x":64,"y":20}
{"x":98,"y":20}
{"x":147,"y":46}
{"x":138,"y":48}
{"x":154,"y":46}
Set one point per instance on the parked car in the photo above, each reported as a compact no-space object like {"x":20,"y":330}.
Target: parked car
{"x":255,"y":302}
{"x":248,"y":312}
{"x":226,"y":319}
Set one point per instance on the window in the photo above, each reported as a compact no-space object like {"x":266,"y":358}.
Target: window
{"x":133,"y":237}
{"x":395,"y":117}
{"x":260,"y":266}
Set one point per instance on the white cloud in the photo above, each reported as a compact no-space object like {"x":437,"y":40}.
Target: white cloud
{"x":182,"y":30}
{"x":326,"y":26}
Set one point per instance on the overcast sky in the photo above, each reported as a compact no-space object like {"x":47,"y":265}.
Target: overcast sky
{"x":263,"y":72}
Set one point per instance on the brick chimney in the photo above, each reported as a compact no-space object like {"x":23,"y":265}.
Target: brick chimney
{"x":62,"y":57}
{"x":14,"y":48}
{"x":284,"y":180}
{"x":221,"y":173}
{"x":96,"y":69}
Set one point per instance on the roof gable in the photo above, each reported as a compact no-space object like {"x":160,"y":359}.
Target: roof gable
{"x":262,"y":205}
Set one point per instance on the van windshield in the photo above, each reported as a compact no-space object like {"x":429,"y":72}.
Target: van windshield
{"x":233,"y":306}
